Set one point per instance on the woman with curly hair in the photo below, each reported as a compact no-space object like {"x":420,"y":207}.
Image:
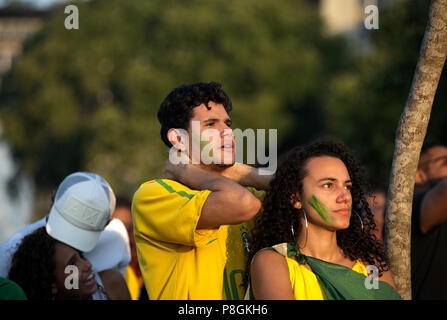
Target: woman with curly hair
{"x":314,"y":239}
{"x":39,"y":267}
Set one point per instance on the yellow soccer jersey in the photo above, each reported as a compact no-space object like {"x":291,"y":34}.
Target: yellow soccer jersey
{"x":132,"y":283}
{"x":177,"y":261}
{"x":237,"y":253}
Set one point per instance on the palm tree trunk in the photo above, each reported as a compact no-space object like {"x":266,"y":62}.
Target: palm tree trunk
{"x":409,"y":138}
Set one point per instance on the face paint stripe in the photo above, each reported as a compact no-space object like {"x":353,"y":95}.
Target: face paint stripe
{"x":317,"y":205}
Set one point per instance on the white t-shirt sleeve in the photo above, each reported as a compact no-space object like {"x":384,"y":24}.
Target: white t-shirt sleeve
{"x":9,"y":248}
{"x":112,"y":250}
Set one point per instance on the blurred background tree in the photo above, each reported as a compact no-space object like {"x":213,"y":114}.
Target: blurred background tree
{"x":365,"y":105}
{"x":87,"y":99}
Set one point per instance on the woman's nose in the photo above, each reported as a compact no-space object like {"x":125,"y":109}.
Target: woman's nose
{"x":344,"y":196}
{"x":86,"y":264}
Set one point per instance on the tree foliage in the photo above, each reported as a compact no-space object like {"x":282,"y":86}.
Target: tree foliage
{"x":366,"y":104}
{"x":87,"y":99}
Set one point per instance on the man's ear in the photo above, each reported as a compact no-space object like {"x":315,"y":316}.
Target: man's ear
{"x":178,"y":138}
{"x":421,"y":177}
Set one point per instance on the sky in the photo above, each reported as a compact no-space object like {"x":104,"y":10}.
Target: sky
{"x":37,"y":3}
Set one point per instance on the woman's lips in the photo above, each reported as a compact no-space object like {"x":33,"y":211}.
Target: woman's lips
{"x":90,"y":281}
{"x":343,"y":211}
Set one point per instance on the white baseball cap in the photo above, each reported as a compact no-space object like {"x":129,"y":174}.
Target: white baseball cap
{"x":82,"y":208}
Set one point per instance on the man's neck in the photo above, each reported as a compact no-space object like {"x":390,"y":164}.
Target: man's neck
{"x":429,"y":184}
{"x":420,"y":188}
{"x":214,"y":168}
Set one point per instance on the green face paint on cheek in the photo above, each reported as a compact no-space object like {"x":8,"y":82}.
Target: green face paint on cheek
{"x":319,"y":207}
{"x":203,"y":142}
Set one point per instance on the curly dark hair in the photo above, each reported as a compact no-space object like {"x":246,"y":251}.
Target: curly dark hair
{"x":273,"y":225}
{"x":176,"y":110}
{"x":32,"y":266}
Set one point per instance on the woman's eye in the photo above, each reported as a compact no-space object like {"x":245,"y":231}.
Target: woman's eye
{"x":327,"y":185}
{"x":349,"y":187}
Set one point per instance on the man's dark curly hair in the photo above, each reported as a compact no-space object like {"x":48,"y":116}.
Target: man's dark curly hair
{"x":32,"y":266}
{"x":176,"y":110}
{"x":273,"y":225}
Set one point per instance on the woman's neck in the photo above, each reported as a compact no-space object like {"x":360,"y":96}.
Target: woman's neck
{"x":321,"y":244}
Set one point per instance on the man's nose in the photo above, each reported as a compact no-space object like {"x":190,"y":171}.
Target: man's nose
{"x":227,"y":131}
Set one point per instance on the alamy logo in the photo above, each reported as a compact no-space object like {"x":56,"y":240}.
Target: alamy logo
{"x":72,"y":20}
{"x":372,"y":20}
{"x":72,"y":280}
{"x":211,"y":146}
{"x":372,"y":281}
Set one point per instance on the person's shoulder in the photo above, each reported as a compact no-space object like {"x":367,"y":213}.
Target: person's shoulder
{"x":162,"y":186}
{"x":115,"y":233}
{"x":172,"y":186}
{"x":148,"y":188}
{"x":17,"y":237}
{"x":268,"y":257}
{"x":116,"y":225}
{"x":146,"y":185}
{"x":269,"y":271}
{"x":30,"y":228}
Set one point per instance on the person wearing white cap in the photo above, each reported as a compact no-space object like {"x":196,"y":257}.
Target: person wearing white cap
{"x":79,"y":217}
{"x":80,"y":213}
{"x":48,"y":269}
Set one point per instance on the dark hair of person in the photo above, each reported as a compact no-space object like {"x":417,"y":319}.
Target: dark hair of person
{"x":378,"y":189}
{"x":176,"y":110}
{"x":32,"y":266}
{"x":123,"y":202}
{"x":428,"y":146}
{"x":273,"y":225}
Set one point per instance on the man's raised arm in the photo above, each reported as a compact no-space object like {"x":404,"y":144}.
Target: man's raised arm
{"x":228,"y":203}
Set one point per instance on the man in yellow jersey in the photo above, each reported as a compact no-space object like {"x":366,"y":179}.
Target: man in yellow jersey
{"x":190,"y":228}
